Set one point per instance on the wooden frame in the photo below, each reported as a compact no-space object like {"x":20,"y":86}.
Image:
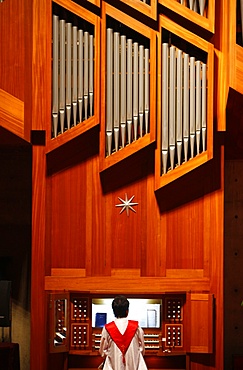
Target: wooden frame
{"x":204,"y":22}
{"x":95,"y":119}
{"x":106,"y":162}
{"x":162,"y":180}
{"x":148,"y":10}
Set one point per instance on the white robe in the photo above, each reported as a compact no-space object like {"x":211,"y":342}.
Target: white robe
{"x":134,"y":355}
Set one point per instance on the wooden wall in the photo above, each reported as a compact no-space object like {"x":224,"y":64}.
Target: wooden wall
{"x":80,"y":241}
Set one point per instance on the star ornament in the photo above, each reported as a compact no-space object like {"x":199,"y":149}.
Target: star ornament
{"x":127,"y":204}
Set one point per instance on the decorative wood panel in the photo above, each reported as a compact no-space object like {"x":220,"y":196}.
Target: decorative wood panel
{"x":131,"y":27}
{"x":200,"y":311}
{"x":125,"y":284}
{"x":165,"y":176}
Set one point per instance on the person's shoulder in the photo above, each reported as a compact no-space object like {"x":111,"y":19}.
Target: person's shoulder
{"x":109,"y":325}
{"x":133,"y":323}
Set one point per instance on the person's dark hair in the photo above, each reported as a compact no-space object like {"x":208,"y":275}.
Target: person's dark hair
{"x":120,"y":306}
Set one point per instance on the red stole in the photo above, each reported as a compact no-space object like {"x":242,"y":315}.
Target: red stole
{"x":122,"y":340}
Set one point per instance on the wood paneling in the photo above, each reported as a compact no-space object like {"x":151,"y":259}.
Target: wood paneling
{"x":126,"y":283}
{"x":68,"y":197}
{"x":12,"y":42}
{"x":201,"y":323}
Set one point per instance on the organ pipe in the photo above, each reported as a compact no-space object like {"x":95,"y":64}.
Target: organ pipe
{"x":146,"y":88}
{"x":179,"y":105}
{"x":91,"y":73}
{"x":123,"y":90}
{"x":135,"y":90}
{"x":86,"y":73}
{"x":172,"y":75}
{"x":198,"y":105}
{"x":192,"y":105}
{"x":68,"y":72}
{"x":72,"y":74}
{"x":55,"y":75}
{"x":80,"y":74}
{"x":184,"y":107}
{"x":75,"y":75}
{"x":165,"y":100}
{"x":109,"y":90}
{"x":204,"y":105}
{"x":129,"y":90}
{"x":116,"y":89}
{"x":141,"y":88}
{"x":62,"y":75}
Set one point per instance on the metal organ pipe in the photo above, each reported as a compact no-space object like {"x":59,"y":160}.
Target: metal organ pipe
{"x":184,"y":107}
{"x":91,"y":73}
{"x":62,"y":75}
{"x":146,"y":88}
{"x":68,"y":72}
{"x":86,"y":73}
{"x":55,"y":75}
{"x":109,"y":90}
{"x":198,"y":105}
{"x":192,"y":105}
{"x":135,"y":90}
{"x":204,"y":105}
{"x":116,"y":90}
{"x":202,"y":6}
{"x":75,"y":75}
{"x":72,"y":74}
{"x":127,"y":91}
{"x":172,"y":76}
{"x":165,"y":100}
{"x":123,"y":90}
{"x":80,"y":74}
{"x":179,"y":105}
{"x":141,"y":89}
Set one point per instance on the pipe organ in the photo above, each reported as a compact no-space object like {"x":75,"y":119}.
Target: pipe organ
{"x":184,"y":95}
{"x":73,"y":75}
{"x":127,"y":102}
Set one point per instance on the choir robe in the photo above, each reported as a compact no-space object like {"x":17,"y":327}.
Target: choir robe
{"x":133,"y":357}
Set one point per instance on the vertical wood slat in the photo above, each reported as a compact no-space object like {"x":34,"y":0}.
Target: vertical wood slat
{"x":38,"y":355}
{"x":37,"y":116}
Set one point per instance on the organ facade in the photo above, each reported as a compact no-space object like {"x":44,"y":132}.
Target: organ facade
{"x":125,"y":105}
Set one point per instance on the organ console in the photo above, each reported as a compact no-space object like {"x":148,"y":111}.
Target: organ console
{"x":76,"y":321}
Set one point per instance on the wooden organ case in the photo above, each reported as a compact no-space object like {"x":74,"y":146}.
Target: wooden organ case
{"x":108,"y":53}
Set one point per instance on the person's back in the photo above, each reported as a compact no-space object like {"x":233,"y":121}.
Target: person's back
{"x":122,"y":341}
